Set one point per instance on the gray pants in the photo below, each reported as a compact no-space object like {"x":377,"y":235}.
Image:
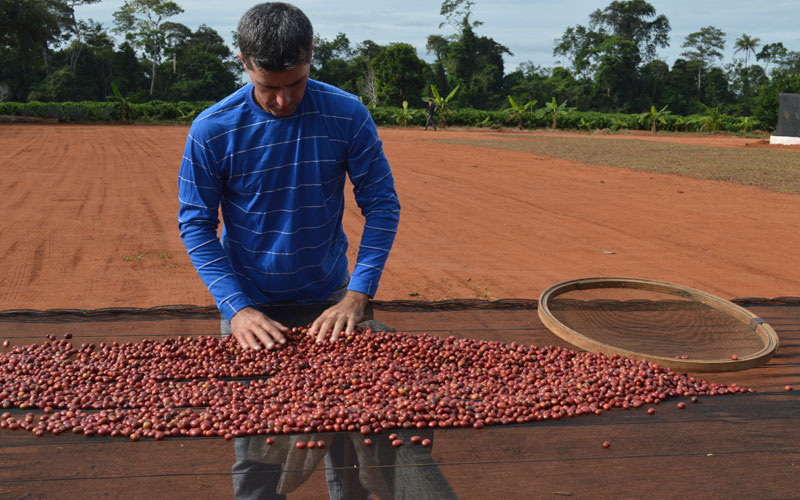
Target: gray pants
{"x":352,"y":470}
{"x":257,"y":480}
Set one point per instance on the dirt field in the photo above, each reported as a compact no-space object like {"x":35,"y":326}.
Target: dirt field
{"x":90,"y":221}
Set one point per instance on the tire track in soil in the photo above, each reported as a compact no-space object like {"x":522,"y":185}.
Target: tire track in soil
{"x":36,"y":263}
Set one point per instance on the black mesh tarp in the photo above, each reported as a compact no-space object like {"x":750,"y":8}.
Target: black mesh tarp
{"x":743,"y":446}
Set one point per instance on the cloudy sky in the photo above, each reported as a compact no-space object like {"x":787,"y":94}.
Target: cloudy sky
{"x":527,"y":27}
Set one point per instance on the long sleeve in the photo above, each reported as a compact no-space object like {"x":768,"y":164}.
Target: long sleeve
{"x":375,"y":194}
{"x":199,"y":188}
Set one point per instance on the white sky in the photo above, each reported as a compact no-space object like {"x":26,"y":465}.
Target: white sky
{"x":527,"y":28}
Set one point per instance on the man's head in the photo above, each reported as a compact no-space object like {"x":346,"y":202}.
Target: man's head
{"x":276,"y":42}
{"x":275,"y":36}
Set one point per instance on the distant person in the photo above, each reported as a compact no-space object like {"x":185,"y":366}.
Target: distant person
{"x":273,"y":158}
{"x":431,"y":115}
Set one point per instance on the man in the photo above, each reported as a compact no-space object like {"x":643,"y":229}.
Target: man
{"x":431,"y":115}
{"x":273,"y":158}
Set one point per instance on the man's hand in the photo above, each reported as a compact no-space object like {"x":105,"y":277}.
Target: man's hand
{"x":342,"y":316}
{"x":252,"y":329}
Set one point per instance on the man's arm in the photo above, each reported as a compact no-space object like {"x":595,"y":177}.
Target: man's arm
{"x":199,"y":188}
{"x":375,"y":194}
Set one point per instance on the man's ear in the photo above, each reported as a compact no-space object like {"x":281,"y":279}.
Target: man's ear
{"x":244,"y":63}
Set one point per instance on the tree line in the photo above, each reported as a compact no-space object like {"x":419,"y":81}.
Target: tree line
{"x":610,"y":65}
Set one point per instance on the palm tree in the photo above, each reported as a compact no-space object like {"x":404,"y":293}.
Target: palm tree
{"x":746,"y":44}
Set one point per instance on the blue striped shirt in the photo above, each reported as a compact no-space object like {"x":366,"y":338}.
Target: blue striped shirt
{"x":279,"y":185}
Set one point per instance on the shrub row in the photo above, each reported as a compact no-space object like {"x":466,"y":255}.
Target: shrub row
{"x":184,"y":112}
{"x":90,"y":111}
{"x":573,"y":119}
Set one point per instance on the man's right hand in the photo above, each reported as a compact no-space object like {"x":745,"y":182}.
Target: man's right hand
{"x":253,"y":329}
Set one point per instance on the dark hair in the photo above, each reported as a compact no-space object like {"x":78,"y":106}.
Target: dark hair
{"x":275,"y":36}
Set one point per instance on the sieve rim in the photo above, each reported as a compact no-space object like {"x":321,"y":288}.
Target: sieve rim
{"x":761,"y":329}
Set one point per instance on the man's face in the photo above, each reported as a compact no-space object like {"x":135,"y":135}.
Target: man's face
{"x":278,"y":92}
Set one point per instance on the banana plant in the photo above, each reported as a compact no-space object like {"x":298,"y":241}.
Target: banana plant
{"x":517,"y":112}
{"x":124,"y":103}
{"x":713,"y":119}
{"x":654,"y":117}
{"x":746,"y":123}
{"x":406,"y":116}
{"x":553,"y":108}
{"x":441,"y":103}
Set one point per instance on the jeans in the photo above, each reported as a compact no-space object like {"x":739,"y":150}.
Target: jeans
{"x":431,"y":121}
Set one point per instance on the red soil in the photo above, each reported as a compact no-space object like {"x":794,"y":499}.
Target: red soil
{"x":91,"y":221}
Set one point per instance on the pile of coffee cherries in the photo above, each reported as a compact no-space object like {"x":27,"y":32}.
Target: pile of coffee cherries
{"x":368,"y":382}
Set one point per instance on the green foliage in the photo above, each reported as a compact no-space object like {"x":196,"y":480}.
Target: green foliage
{"x":517,"y":112}
{"x":746,"y":44}
{"x":384,"y":115}
{"x":554,"y":109}
{"x":201,"y":66}
{"x":713,"y":120}
{"x":631,"y":20}
{"x":611,"y":65}
{"x":185,"y":111}
{"x":765,"y":108}
{"x":654,"y":117}
{"x":470,"y":117}
{"x":747,"y":123}
{"x":399,"y":74}
{"x":165,"y":111}
{"x":703,"y":47}
{"x":124,"y":103}
{"x":405,"y":116}
{"x":153,"y":111}
{"x":142,"y":22}
{"x":442,"y":103}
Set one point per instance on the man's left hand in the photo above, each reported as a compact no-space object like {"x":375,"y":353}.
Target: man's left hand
{"x":341,"y":317}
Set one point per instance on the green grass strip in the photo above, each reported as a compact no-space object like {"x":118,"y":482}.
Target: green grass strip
{"x":774,"y":170}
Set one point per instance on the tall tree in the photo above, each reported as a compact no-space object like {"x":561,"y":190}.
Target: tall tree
{"x":616,"y":78}
{"x":332,"y":62}
{"x":176,"y":36}
{"x":704,"y":47}
{"x":74,"y":78}
{"x":28,"y":29}
{"x":142,"y":23}
{"x":78,"y":29}
{"x":578,"y":44}
{"x":202,"y":66}
{"x":618,"y":39}
{"x":457,"y":14}
{"x":630,"y":20}
{"x":772,"y":53}
{"x":746,"y":44}
{"x":399,"y":74}
{"x":472,"y":62}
